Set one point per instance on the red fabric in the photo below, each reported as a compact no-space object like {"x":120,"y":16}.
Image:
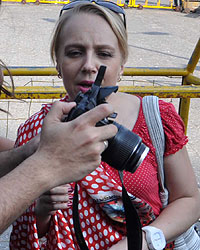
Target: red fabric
{"x":99,"y":231}
{"x":144,"y":183}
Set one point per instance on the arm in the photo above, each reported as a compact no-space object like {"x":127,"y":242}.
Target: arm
{"x":79,"y":143}
{"x":184,"y":199}
{"x":14,"y":156}
{"x":6,"y":144}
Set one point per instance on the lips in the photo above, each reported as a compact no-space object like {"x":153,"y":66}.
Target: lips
{"x":84,"y":86}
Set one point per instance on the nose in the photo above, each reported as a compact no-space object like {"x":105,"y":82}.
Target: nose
{"x":90,"y":65}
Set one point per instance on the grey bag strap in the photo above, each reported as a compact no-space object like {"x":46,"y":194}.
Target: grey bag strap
{"x":153,"y":120}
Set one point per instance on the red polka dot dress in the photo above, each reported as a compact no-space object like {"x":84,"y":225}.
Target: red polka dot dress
{"x":100,"y":206}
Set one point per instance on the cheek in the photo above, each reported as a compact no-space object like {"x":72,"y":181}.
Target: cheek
{"x":112,"y":76}
{"x":68,"y":82}
{"x":68,"y":69}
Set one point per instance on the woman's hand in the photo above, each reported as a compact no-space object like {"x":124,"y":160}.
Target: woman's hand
{"x":57,"y":198}
{"x":47,"y":204}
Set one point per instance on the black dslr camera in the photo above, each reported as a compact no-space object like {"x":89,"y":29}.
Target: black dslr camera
{"x":125,"y":150}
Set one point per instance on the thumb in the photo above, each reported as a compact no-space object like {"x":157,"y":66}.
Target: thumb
{"x":59,"y":109}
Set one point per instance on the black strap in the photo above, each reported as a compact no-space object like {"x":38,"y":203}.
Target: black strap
{"x":77,"y":227}
{"x":133,"y":225}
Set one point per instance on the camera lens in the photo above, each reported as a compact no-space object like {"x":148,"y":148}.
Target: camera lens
{"x":125,"y":150}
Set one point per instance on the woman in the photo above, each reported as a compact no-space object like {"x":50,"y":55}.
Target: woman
{"x":87,"y":36}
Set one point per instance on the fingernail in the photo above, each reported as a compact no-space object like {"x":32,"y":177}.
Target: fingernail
{"x":69,"y":204}
{"x":70,"y":189}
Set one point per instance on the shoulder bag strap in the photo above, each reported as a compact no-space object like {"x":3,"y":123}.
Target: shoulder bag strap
{"x":153,"y":120}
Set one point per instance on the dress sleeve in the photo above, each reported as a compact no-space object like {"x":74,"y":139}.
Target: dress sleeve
{"x":174,"y":128}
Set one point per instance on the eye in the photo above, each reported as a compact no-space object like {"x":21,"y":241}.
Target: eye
{"x":73,"y":53}
{"x":105,"y":54}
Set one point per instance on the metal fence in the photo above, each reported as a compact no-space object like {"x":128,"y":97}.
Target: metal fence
{"x":190,"y":87}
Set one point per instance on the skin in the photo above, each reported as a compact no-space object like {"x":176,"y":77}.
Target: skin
{"x":12,"y":157}
{"x":78,"y":64}
{"x":6,"y":144}
{"x":46,"y":205}
{"x":81,"y":54}
{"x":7,"y":162}
{"x":78,"y":142}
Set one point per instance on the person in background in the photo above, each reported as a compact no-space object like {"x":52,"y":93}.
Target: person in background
{"x":98,"y":37}
{"x":178,"y":5}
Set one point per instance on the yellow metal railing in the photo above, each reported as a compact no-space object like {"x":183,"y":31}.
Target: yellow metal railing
{"x":190,"y":87}
{"x":37,"y":1}
{"x":131,"y":3}
{"x":156,"y":5}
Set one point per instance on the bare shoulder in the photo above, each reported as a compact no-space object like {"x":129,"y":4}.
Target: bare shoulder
{"x":127,"y":107}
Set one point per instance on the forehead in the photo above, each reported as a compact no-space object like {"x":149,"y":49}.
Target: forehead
{"x":86,"y":24}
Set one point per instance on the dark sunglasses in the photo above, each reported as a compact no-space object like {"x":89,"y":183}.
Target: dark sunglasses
{"x":110,"y":5}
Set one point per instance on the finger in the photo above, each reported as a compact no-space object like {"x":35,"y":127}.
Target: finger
{"x":59,"y":109}
{"x":59,"y":198}
{"x":55,"y":198}
{"x":106,"y":132}
{"x":58,"y":190}
{"x":58,"y":206}
{"x":102,"y":147}
{"x":95,"y":115}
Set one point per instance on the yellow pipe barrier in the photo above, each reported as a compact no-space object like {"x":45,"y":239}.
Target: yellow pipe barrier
{"x":184,"y":92}
{"x":47,"y":92}
{"x":155,"y":71}
{"x":184,"y":105}
{"x":119,"y":2}
{"x":194,"y":58}
{"x":128,"y":71}
{"x":37,"y":1}
{"x":157,"y":5}
{"x":31,"y":71}
{"x":191,"y":79}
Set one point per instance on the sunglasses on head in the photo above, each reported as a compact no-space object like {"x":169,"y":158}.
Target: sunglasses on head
{"x":110,"y":5}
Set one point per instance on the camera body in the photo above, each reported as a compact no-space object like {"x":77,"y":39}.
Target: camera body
{"x":125,"y":150}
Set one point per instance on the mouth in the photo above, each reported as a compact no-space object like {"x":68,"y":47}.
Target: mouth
{"x":84,"y":86}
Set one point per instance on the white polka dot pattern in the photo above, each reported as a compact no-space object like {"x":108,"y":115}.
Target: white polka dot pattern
{"x":99,"y":230}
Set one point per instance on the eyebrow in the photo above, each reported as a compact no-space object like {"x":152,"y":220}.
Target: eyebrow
{"x":79,"y":45}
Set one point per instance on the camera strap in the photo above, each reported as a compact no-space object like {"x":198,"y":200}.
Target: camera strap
{"x":77,"y":226}
{"x":133,"y":225}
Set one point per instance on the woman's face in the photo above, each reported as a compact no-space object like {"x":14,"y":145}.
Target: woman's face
{"x":86,"y":43}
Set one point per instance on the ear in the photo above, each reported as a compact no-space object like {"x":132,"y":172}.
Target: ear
{"x":59,"y":71}
{"x":57,"y":67}
{"x":121,"y":69}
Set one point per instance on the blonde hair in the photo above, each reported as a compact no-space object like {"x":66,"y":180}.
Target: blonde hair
{"x":113,"y":19}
